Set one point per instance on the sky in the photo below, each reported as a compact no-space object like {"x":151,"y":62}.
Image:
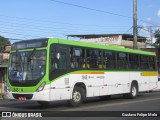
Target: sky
{"x":27,"y":19}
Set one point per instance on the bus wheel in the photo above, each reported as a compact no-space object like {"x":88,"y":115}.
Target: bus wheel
{"x":78,"y":96}
{"x":133,"y":91}
{"x":43,"y":103}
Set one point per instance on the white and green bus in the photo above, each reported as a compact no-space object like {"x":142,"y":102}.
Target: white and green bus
{"x":52,"y":69}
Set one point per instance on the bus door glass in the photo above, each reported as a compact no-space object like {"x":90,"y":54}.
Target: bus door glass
{"x":58,"y":60}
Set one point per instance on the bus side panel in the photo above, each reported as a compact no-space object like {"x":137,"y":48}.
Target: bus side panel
{"x":153,"y":84}
{"x":42,"y":95}
{"x":94,"y":82}
{"x":60,"y":89}
{"x":158,"y":86}
{"x":117,"y":82}
{"x":143,"y":82}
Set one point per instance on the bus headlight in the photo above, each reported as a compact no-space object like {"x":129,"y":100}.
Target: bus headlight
{"x":41,"y":87}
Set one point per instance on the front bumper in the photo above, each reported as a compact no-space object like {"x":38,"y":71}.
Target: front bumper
{"x":35,"y":96}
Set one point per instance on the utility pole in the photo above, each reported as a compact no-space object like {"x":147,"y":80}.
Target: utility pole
{"x":151,"y":33}
{"x":135,"y":24}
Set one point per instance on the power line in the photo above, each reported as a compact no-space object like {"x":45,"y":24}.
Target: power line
{"x":40,"y":28}
{"x":8,"y":25}
{"x":17,"y":34}
{"x":128,"y":30}
{"x":27,"y":27}
{"x":4,"y":23}
{"x":97,"y":10}
{"x":93,"y":9}
{"x":46,"y":21}
{"x":63,"y":30}
{"x":44,"y":28}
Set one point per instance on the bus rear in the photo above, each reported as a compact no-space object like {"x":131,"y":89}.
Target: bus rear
{"x":27,"y":73}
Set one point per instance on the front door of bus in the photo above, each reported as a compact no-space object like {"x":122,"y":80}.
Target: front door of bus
{"x":60,"y":54}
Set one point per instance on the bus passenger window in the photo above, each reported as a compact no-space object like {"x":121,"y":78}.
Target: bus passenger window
{"x":53,"y":60}
{"x":133,"y":61}
{"x":144,"y":62}
{"x":109,"y":60}
{"x":58,"y":59}
{"x":76,"y":57}
{"x":62,"y":64}
{"x":122,"y":61}
{"x":151,"y":63}
{"x":94,"y":59}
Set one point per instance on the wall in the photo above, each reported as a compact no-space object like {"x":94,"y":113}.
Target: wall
{"x":114,"y":40}
{"x":129,"y":44}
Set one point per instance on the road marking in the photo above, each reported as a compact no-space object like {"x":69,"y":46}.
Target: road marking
{"x":108,"y":105}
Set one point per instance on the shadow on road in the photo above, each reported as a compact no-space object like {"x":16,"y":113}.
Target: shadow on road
{"x":57,"y":105}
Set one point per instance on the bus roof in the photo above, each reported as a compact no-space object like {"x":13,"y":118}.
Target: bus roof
{"x":43,"y":42}
{"x":107,"y":47}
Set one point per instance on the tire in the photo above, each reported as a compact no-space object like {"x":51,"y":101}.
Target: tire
{"x":43,"y":103}
{"x":106,"y":97}
{"x":78,"y":96}
{"x":133,"y":92}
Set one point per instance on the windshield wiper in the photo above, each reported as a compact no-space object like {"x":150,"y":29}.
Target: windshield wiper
{"x":32,"y":54}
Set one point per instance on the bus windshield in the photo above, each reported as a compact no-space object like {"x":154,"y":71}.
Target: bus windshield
{"x":28,"y":65}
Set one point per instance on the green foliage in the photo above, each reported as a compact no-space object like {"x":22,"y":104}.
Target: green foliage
{"x":3,"y":41}
{"x":157,"y":36}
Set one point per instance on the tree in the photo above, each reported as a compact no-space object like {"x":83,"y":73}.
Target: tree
{"x":157,"y":36}
{"x":3,"y":41}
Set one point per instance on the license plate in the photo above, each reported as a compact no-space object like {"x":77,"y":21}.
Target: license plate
{"x":22,"y":98}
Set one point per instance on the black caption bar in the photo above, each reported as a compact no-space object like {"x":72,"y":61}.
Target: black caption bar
{"x":79,"y":114}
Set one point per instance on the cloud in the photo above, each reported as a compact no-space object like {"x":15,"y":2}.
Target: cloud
{"x":151,"y":21}
{"x":158,"y":13}
{"x":144,"y":31}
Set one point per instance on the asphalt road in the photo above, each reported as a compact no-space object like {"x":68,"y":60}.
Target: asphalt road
{"x":92,"y":108}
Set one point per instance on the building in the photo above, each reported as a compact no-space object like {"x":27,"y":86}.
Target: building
{"x":4,"y":57}
{"x":125,"y":40}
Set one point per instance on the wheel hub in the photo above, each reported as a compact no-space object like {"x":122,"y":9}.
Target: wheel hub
{"x":76,"y":96}
{"x":134,"y":91}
